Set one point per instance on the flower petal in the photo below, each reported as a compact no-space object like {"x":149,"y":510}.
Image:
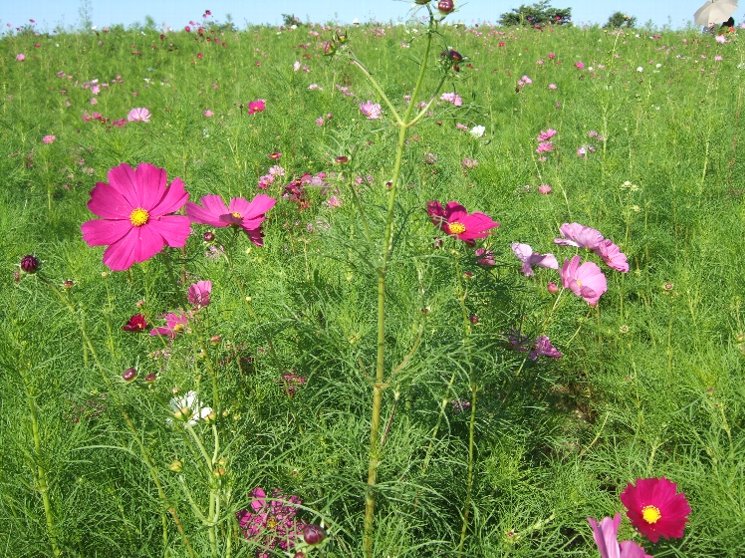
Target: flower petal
{"x":102,"y":232}
{"x":174,"y":229}
{"x":106,"y":202}
{"x":174,"y":199}
{"x":151,"y":185}
{"x":138,"y":245}
{"x":209,"y":212}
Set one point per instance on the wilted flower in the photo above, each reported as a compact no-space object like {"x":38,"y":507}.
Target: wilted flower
{"x":543,"y":347}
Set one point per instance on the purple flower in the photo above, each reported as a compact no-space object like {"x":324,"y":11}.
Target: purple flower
{"x":529,"y":258}
{"x":271,"y":521}
{"x":199,"y":294}
{"x":543,"y":347}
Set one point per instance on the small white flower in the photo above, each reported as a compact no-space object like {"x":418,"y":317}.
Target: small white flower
{"x":478,"y":131}
{"x":639,"y":69}
{"x":189,"y":409}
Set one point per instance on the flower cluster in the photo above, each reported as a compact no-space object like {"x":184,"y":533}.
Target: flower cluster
{"x":654,"y":506}
{"x":271,"y":522}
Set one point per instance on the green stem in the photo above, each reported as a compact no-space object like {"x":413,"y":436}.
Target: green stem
{"x":469,"y":478}
{"x":379,"y":385}
{"x":40,"y":472}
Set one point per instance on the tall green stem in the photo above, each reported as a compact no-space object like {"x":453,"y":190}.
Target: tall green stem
{"x":469,"y":474}
{"x":382,"y":271}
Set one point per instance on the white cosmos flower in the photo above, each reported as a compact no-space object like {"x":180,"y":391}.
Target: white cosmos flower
{"x":478,"y":131}
{"x":189,"y":409}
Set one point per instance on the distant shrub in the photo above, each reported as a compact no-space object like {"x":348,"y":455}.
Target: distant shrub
{"x":619,"y":20}
{"x":538,"y":14}
{"x":288,"y":20}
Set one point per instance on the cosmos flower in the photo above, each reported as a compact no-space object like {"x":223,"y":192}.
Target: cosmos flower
{"x":139,"y":114}
{"x":137,"y":215}
{"x":370,"y":110}
{"x":478,"y":131}
{"x":259,"y":105}
{"x":656,"y":508}
{"x":189,"y":409}
{"x":612,"y":255}
{"x":581,"y":236}
{"x":454,"y":220}
{"x":199,"y":293}
{"x":49,"y":139}
{"x":543,"y":347}
{"x":271,"y":521}
{"x":452,"y":98}
{"x":135,"y":324}
{"x":240,"y":213}
{"x":585,"y":280}
{"x":175,"y":324}
{"x":605,"y":534}
{"x":525,"y":254}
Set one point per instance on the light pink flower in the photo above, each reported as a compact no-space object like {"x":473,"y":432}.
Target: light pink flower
{"x":240,"y":213}
{"x":138,"y":115}
{"x":545,"y":147}
{"x":579,"y":65}
{"x":580,"y":236}
{"x":546,"y":135}
{"x":208,"y":113}
{"x":49,"y":139}
{"x":452,"y":98}
{"x":552,"y":86}
{"x":545,"y":189}
{"x":605,"y":534}
{"x":585,"y":280}
{"x":175,"y":324}
{"x":612,"y":255}
{"x":20,"y":57}
{"x":525,"y":254}
{"x":137,"y":215}
{"x":320,"y":121}
{"x":259,"y":105}
{"x":370,"y":110}
{"x":721,"y":39}
{"x":199,"y":293}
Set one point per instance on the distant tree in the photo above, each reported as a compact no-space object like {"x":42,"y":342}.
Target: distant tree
{"x":538,"y":14}
{"x":619,"y":20}
{"x":291,"y":19}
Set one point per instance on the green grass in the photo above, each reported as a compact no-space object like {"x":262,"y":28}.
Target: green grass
{"x":650,"y":384}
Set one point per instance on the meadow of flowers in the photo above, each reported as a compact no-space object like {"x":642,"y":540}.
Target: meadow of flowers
{"x":393,"y":290}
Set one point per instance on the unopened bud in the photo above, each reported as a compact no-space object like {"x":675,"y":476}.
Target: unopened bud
{"x":30,"y":263}
{"x":313,"y":534}
{"x":129,"y":374}
{"x":445,"y":6}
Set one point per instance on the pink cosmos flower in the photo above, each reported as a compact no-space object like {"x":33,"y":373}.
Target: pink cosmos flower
{"x":605,"y":534}
{"x":582,"y":151}
{"x":546,"y":135}
{"x":579,"y":65}
{"x":525,"y":254}
{"x":175,"y":324}
{"x":721,"y":39}
{"x":271,"y":521}
{"x":208,"y":113}
{"x":259,"y":105}
{"x":49,"y":139}
{"x":586,"y":280}
{"x":199,"y":293}
{"x":137,"y":215}
{"x":20,"y":57}
{"x":544,"y":189}
{"x":138,"y":115}
{"x":240,"y":213}
{"x":545,"y":147}
{"x":454,"y":220}
{"x":552,"y":86}
{"x":612,"y":255}
{"x":370,"y":110}
{"x":452,"y":98}
{"x":656,"y":508}
{"x":580,"y":236}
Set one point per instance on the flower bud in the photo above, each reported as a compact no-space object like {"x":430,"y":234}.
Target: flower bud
{"x":209,"y":236}
{"x":129,"y":374}
{"x":175,"y":466}
{"x":30,"y":263}
{"x":313,"y":534}
{"x":150,"y":378}
{"x":341,"y":37}
{"x":445,"y":6}
{"x":553,"y":288}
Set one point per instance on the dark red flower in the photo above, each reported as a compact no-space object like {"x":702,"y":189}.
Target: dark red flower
{"x":135,"y":324}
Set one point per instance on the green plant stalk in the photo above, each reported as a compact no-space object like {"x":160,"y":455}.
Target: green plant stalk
{"x":40,"y":472}
{"x":214,"y":505}
{"x":469,"y":474}
{"x":379,"y":386}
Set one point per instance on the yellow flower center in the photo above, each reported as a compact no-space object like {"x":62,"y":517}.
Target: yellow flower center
{"x":456,"y":227}
{"x":139,"y":217}
{"x":272,"y":523}
{"x":178,"y":328}
{"x":651,"y":514}
{"x":237,"y":215}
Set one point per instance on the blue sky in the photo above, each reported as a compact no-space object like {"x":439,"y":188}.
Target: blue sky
{"x":177,"y":13}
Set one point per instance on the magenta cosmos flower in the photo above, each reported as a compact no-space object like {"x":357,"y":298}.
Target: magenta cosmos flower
{"x":605,"y":534}
{"x":248,"y":215}
{"x":656,"y":508}
{"x":586,"y":280}
{"x":271,"y":521}
{"x":456,"y":221}
{"x":137,"y":215}
{"x":175,"y":323}
{"x":259,"y":105}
